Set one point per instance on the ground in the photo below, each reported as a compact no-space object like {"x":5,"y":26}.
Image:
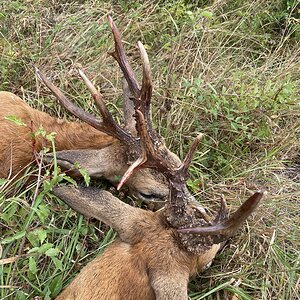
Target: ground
{"x":228,"y":69}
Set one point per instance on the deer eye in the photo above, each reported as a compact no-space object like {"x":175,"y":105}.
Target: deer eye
{"x":208,"y":265}
{"x":151,"y":197}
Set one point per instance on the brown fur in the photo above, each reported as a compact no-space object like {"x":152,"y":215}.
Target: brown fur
{"x":103,"y":156}
{"x":144,"y":263}
{"x":16,"y":144}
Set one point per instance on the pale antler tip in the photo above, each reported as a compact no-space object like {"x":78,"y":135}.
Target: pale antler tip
{"x":263,"y":192}
{"x":120,"y":185}
{"x":228,"y":227}
{"x":140,"y":44}
{"x":125,"y":177}
{"x":142,"y":51}
{"x":110,"y":21}
{"x":81,"y":73}
{"x":200,"y":136}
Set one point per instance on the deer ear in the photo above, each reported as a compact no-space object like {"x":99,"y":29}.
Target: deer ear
{"x":101,"y":163}
{"x":103,"y":206}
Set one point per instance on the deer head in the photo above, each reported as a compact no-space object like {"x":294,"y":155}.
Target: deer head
{"x":112,"y":162}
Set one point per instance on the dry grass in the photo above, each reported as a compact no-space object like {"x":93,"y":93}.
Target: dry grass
{"x":233,"y":76}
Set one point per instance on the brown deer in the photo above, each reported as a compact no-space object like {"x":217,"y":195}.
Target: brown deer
{"x":102,"y":147}
{"x":16,"y":142}
{"x":156,"y":252}
{"x":151,"y":259}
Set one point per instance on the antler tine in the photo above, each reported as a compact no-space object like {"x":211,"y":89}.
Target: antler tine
{"x":147,"y":87}
{"x":109,"y":126}
{"x":71,"y":107}
{"x":151,"y":149}
{"x":120,"y":57}
{"x":108,"y":121}
{"x":128,"y":108}
{"x":227,"y":228}
{"x":189,"y":156}
{"x":150,"y":157}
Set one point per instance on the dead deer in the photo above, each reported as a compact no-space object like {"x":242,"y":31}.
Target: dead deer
{"x":156,"y":252}
{"x":103,"y":148}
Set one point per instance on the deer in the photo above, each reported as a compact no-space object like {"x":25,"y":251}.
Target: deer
{"x":103,"y":148}
{"x":156,"y":252}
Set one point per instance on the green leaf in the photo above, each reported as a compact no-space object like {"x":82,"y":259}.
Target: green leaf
{"x":43,"y":212}
{"x":15,"y":120}
{"x":207,"y":14}
{"x":85,"y":176}
{"x":56,"y":285}
{"x":9,"y":212}
{"x":47,"y":293}
{"x":51,"y":136}
{"x":20,"y":295}
{"x":37,"y":237}
{"x":32,"y":265}
{"x":57,"y":263}
{"x":33,"y":250}
{"x":42,"y":234}
{"x":40,"y":131}
{"x":33,"y":239}
{"x":45,"y":247}
{"x":52,"y":252}
{"x":15,"y":237}
{"x":70,"y":180}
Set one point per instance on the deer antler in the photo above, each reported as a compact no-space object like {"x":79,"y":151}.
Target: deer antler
{"x":230,"y":225}
{"x":141,"y":98}
{"x":119,"y":55}
{"x":179,"y":211}
{"x":108,"y":125}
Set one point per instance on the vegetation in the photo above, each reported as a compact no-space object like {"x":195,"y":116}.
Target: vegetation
{"x":229,"y":69}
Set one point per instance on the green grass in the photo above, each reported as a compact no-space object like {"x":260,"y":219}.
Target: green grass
{"x":229,"y":69}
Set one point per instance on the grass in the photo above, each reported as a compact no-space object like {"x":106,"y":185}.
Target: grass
{"x":229,"y":69}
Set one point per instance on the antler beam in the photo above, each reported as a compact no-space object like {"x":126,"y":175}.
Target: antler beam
{"x":119,"y":55}
{"x":108,"y":125}
{"x":231,"y":225}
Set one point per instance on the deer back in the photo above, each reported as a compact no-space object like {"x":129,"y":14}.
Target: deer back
{"x":17,"y":145}
{"x":104,"y":277}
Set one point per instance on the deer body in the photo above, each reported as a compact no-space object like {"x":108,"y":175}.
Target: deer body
{"x":16,"y":143}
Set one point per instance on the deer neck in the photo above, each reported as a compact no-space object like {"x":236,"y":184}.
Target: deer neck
{"x":71,"y":135}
